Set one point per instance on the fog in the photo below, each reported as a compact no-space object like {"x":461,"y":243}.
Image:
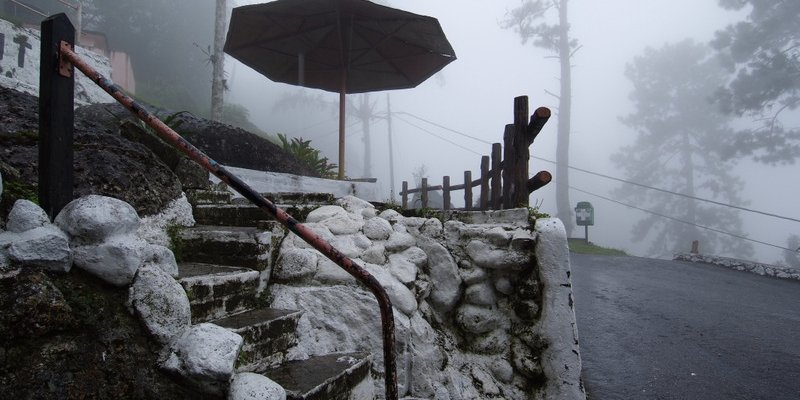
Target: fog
{"x":474,"y":96}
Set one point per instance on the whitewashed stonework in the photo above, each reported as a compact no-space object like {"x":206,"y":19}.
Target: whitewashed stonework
{"x":477,"y":283}
{"x":31,"y":240}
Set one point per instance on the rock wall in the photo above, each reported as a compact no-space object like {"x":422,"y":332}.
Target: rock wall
{"x":741,"y":265}
{"x":482,"y":310}
{"x":19,"y":65}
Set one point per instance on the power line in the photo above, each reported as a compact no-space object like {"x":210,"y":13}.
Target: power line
{"x":681,"y":221}
{"x":435,"y":135}
{"x":620,"y":179}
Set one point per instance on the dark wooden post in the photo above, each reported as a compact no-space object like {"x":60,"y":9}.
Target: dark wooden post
{"x":424,"y":193}
{"x":468,"y":190}
{"x":484,"y":183}
{"x":56,"y":117}
{"x":404,"y":195}
{"x":521,"y":152}
{"x":446,"y":193}
{"x":496,"y":176}
{"x":508,"y":165}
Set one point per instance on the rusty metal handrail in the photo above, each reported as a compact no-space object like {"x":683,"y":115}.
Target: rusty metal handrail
{"x":68,"y":56}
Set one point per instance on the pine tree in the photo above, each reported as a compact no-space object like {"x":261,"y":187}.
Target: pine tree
{"x":678,"y":149}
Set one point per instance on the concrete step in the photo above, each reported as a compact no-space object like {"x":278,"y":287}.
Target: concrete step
{"x":196,"y":197}
{"x":241,"y":212}
{"x":267,"y":334}
{"x":248,"y":247}
{"x":329,"y":377}
{"x":216,"y":291}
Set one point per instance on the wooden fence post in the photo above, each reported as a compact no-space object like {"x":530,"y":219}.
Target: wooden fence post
{"x":446,"y":192}
{"x":484,"y":183}
{"x":404,"y":195}
{"x":508,"y":165}
{"x":424,"y":193}
{"x":521,"y":152}
{"x":56,"y":117}
{"x":496,"y":176}
{"x":468,"y":190}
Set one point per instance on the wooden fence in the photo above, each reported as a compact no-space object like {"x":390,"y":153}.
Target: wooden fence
{"x":503,"y":180}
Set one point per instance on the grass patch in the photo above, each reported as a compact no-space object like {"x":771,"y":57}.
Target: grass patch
{"x":580,"y":246}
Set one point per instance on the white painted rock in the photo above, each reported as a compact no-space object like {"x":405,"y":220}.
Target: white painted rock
{"x":329,"y":272}
{"x":354,"y":204}
{"x":487,"y":256}
{"x":347,"y":224}
{"x":416,"y":256}
{"x":444,"y":276}
{"x":45,"y":247}
{"x":292,"y":240}
{"x":205,"y":354}
{"x":93,"y":218}
{"x":250,"y":386}
{"x":164,"y":258}
{"x":324,"y":213}
{"x":399,"y":241}
{"x":391,"y":215}
{"x":160,"y":302}
{"x":26,"y":215}
{"x":474,"y":319}
{"x":115,"y":260}
{"x":295,"y":264}
{"x":431,"y":228}
{"x":402,"y":269}
{"x":377,"y":229}
{"x":402,"y":298}
{"x":481,"y":294}
{"x":374,"y":255}
{"x":346,"y":245}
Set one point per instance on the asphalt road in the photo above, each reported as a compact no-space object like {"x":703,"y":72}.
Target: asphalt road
{"x":658,"y":329}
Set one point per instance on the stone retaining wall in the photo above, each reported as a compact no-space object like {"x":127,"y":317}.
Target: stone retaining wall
{"x":740,"y":265}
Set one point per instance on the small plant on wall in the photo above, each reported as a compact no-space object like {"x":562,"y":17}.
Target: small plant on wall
{"x":302,"y":150}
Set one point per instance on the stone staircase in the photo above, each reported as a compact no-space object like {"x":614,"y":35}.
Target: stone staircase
{"x":225,"y":263}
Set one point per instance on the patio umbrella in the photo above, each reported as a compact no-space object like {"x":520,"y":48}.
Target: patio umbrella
{"x":343,"y":46}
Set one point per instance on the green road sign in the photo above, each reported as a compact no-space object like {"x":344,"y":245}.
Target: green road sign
{"x":584,"y":214}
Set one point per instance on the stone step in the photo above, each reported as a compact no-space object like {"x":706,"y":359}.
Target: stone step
{"x":329,"y":377}
{"x":267,"y":334}
{"x":196,"y":197}
{"x":241,"y":212}
{"x":249,"y":247}
{"x":216,"y":291}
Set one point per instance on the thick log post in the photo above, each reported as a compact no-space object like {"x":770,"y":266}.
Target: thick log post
{"x":404,"y":195}
{"x":424,"y":193}
{"x":538,"y":119}
{"x":484,"y":183}
{"x":508,"y":165}
{"x":540,"y":179}
{"x":446,"y":193}
{"x":521,"y":152}
{"x":468,"y":190}
{"x":496,"y":176}
{"x":56,"y":116}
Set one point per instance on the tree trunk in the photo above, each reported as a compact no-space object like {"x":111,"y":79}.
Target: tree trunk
{"x":218,"y":61}
{"x":563,"y":205}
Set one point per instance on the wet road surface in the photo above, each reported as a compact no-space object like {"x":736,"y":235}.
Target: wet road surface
{"x":658,"y":329}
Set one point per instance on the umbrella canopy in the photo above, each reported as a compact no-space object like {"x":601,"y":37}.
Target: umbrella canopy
{"x":344,"y":46}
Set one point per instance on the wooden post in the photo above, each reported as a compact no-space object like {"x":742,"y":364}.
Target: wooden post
{"x":496,"y":176}
{"x":521,"y":152}
{"x":484,"y":183}
{"x":468,"y":190}
{"x":508,"y":165}
{"x":446,"y":193}
{"x":56,"y":117}
{"x":695,"y":247}
{"x":404,"y":195}
{"x":424,"y":193}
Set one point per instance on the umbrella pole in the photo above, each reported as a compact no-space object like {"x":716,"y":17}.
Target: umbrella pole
{"x":342,"y":103}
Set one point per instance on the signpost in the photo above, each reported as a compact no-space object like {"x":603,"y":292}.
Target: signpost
{"x":584,"y":216}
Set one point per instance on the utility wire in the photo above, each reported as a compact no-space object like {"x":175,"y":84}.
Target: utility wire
{"x":435,"y":135}
{"x":618,"y":179}
{"x":681,"y":221}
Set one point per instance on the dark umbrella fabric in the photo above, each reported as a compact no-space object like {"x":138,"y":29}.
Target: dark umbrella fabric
{"x":344,"y":46}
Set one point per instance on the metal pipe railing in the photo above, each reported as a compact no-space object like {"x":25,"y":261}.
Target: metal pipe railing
{"x":68,"y":56}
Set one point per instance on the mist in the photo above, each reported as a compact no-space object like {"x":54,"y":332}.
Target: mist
{"x":473,"y":97}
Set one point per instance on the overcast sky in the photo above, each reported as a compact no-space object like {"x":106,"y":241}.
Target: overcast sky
{"x":475,"y":94}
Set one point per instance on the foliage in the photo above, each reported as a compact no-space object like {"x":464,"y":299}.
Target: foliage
{"x":534,"y":213}
{"x":302,"y":150}
{"x":762,"y":55}
{"x":678,"y":148}
{"x":529,"y":20}
{"x":581,"y":247}
{"x":792,"y":258}
{"x":238,"y":115}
